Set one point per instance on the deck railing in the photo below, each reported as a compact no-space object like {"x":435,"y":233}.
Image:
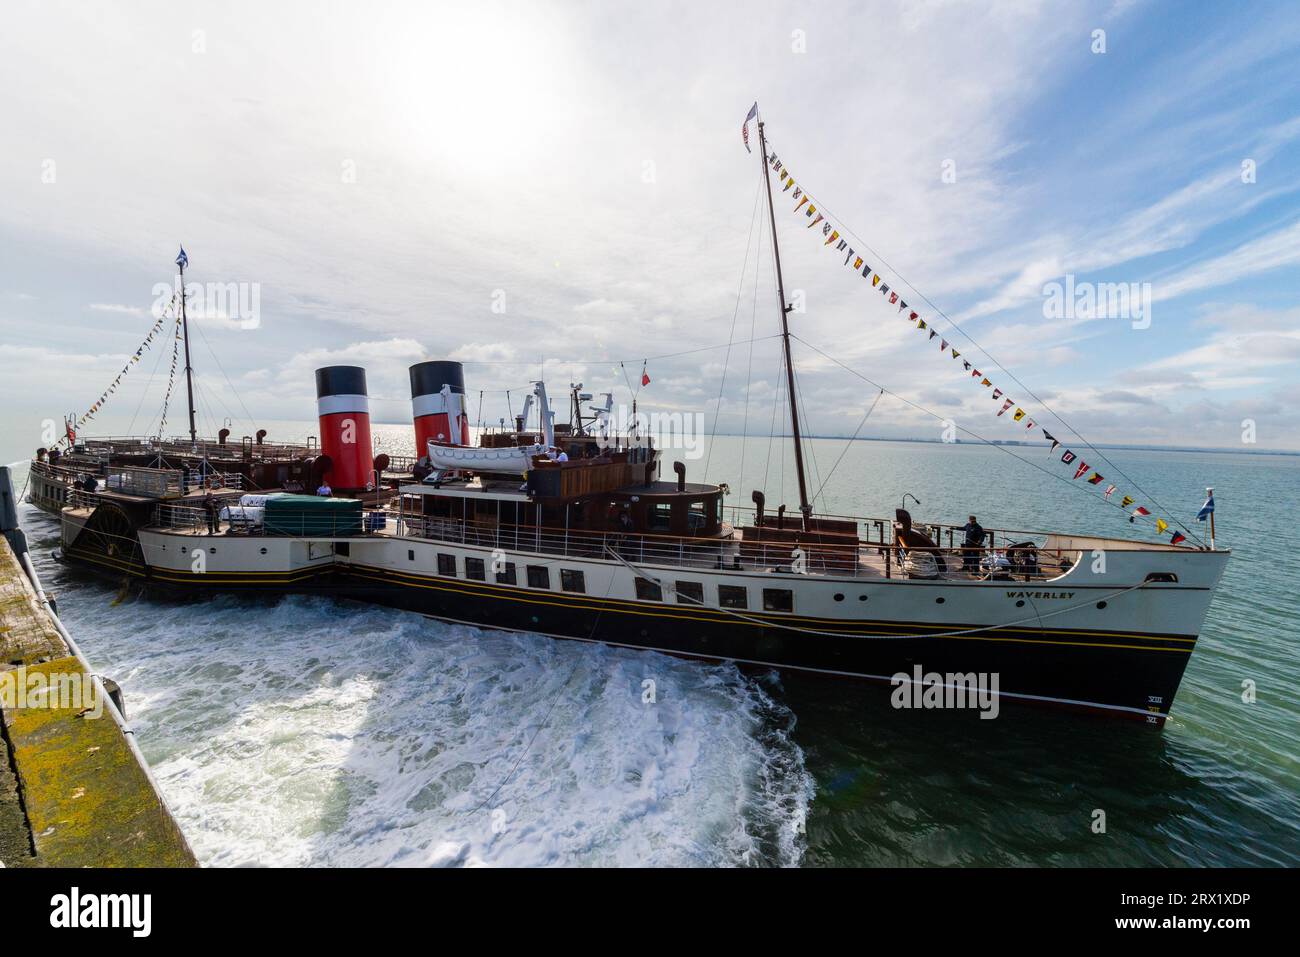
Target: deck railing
{"x":880,"y":531}
{"x":233,"y":449}
{"x":63,"y":473}
{"x":731,"y":552}
{"x":866,"y":560}
{"x":184,"y":517}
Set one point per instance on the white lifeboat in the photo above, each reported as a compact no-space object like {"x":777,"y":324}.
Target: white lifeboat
{"x":465,"y":458}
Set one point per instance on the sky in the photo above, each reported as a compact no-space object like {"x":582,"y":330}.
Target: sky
{"x":561,"y":190}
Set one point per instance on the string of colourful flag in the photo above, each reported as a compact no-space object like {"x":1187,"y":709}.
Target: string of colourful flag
{"x":805,"y":204}
{"x":171,"y":376}
{"x":145,"y":345}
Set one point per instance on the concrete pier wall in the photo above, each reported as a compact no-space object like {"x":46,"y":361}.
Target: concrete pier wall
{"x":74,"y":789}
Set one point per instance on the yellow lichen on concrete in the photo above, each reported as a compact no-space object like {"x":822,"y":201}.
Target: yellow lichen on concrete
{"x":87,"y":798}
{"x":26,"y":633}
{"x":88,"y":801}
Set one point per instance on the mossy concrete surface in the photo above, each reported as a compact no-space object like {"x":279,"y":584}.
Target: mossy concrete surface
{"x":15,"y":839}
{"x":82,"y":799}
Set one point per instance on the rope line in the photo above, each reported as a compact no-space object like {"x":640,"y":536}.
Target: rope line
{"x":975,"y":435}
{"x":731,"y":336}
{"x":1011,"y":375}
{"x":849,"y":443}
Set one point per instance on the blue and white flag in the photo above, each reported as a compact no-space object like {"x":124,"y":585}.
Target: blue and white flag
{"x":182,"y":260}
{"x":744,"y":129}
{"x":1207,"y":509}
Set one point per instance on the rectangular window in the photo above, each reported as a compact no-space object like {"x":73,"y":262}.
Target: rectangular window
{"x":647,"y":590}
{"x":696,"y":517}
{"x":733,"y":596}
{"x":572,"y":580}
{"x":690,"y":593}
{"x":659,"y":517}
{"x":778,"y":599}
{"x":539,"y":576}
{"x":474,"y":569}
{"x":447,"y":565}
{"x":507,"y":576}
{"x":410,"y":554}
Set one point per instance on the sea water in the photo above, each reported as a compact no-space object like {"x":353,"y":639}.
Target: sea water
{"x":311,"y":731}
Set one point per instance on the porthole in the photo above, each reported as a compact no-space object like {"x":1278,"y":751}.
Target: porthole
{"x":839,"y":596}
{"x":1021,"y":603}
{"x":1101,"y":604}
{"x":940,"y":600}
{"x":862,"y":598}
{"x":212,"y":551}
{"x":262,"y":550}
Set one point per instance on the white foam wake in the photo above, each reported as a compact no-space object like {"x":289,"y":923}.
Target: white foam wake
{"x":313,"y":732}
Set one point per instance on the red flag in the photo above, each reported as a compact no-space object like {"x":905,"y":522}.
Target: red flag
{"x":645,"y":376}
{"x":1177,"y":537}
{"x":1081,"y":470}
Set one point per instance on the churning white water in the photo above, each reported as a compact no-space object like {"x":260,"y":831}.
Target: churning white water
{"x":309,"y":731}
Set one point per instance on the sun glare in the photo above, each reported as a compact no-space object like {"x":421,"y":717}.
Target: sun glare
{"x":471,"y":87}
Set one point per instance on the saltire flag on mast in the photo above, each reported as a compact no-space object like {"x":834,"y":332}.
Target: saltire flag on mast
{"x":182,"y":260}
{"x":1207,"y":509}
{"x":744,"y":129}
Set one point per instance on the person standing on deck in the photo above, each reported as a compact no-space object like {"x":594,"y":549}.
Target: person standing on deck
{"x":973,"y":544}
{"x":210,"y":509}
{"x":324,"y":490}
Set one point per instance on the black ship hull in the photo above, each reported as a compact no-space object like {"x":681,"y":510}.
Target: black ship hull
{"x":1133,"y":676}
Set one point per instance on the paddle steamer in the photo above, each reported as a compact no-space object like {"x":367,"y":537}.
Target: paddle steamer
{"x":574,"y":531}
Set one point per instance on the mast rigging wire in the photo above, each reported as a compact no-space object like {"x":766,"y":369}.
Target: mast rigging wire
{"x":749,"y":364}
{"x":726,"y":360}
{"x":920,"y":408}
{"x":1011,"y":375}
{"x":849,"y":443}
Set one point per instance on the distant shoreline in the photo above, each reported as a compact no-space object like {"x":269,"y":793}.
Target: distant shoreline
{"x":1014,"y":444}
{"x":1045,"y":445}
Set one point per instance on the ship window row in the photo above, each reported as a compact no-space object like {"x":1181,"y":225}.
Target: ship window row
{"x":537,"y":576}
{"x":729,"y":596}
{"x":574,"y":581}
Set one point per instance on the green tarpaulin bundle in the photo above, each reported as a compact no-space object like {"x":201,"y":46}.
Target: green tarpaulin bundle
{"x":312,"y":515}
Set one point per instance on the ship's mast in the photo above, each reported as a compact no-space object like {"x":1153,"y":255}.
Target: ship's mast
{"x":804,"y":507}
{"x":189,"y":374}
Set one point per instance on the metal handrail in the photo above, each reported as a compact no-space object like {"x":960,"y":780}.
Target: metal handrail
{"x":196,"y":516}
{"x":880,"y":525}
{"x":727,"y":552}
